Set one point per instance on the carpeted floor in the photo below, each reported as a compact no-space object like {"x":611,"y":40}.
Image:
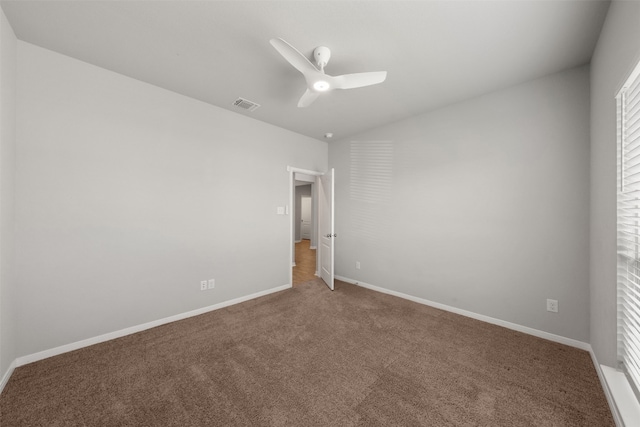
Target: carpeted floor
{"x":311,"y":357}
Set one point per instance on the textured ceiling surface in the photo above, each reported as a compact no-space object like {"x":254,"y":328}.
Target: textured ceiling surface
{"x":435,"y":52}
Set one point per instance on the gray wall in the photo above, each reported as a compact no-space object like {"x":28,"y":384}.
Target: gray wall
{"x":7,"y":175}
{"x":128,"y":195}
{"x":482,"y":205}
{"x":616,"y":54}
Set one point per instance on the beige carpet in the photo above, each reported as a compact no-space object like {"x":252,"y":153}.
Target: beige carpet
{"x":312,"y":357}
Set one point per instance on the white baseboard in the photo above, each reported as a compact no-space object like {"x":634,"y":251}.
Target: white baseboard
{"x":514,"y":326}
{"x":7,"y":375}
{"x":312,"y":247}
{"x":293,"y":264}
{"x":20,"y":361}
{"x":298,"y":241}
{"x":628,"y":410}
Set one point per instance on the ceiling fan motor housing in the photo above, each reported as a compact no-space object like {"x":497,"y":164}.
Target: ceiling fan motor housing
{"x":322,"y":54}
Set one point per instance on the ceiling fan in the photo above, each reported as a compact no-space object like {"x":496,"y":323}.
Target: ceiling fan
{"x":317,"y":80}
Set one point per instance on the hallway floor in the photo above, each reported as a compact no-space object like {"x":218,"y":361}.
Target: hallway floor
{"x":305,"y":268}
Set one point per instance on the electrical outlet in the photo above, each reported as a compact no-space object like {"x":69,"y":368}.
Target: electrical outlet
{"x":552,"y":305}
{"x":203,"y":285}
{"x":212,"y":283}
{"x":357,"y":265}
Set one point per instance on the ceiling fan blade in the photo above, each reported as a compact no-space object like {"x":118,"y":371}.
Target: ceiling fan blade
{"x":293,"y":56}
{"x":307,"y":98}
{"x":350,"y":81}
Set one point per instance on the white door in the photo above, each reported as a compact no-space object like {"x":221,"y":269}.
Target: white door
{"x":326,"y":231}
{"x":305,"y":218}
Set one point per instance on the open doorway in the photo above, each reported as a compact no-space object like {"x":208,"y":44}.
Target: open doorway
{"x":305,"y":229}
{"x":322,"y":223}
{"x":305,"y":249}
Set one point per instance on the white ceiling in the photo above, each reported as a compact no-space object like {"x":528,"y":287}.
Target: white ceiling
{"x":436,"y":52}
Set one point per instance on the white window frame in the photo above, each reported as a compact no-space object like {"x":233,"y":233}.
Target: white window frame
{"x":628,"y":232}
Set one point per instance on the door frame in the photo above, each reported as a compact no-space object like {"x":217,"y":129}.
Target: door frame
{"x":292,"y":193}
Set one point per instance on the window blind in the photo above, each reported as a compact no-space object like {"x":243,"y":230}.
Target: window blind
{"x":628,"y":115}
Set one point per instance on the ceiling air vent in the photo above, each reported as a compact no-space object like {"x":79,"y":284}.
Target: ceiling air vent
{"x":245,"y":104}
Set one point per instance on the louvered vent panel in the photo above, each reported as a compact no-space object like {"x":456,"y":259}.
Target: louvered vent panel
{"x":245,"y":104}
